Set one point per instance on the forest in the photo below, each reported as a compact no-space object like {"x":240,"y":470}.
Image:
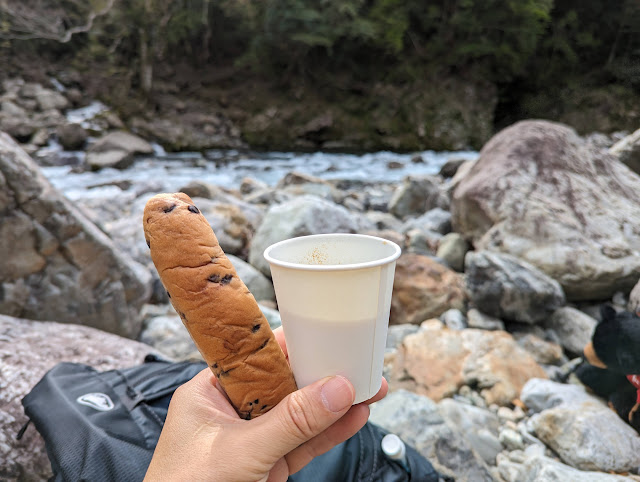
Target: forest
{"x":527,"y":58}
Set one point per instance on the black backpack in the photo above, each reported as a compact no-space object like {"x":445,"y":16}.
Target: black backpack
{"x":104,"y":426}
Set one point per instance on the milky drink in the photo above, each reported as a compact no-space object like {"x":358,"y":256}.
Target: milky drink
{"x":334,"y":297}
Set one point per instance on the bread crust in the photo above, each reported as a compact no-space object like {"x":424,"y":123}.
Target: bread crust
{"x":220,"y":313}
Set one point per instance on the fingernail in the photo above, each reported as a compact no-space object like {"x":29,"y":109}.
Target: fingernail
{"x":337,"y":394}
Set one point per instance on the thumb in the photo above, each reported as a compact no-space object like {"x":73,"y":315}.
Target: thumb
{"x":304,"y":414}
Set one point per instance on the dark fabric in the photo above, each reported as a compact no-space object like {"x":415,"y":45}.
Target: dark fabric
{"x":602,"y":381}
{"x":616,"y":341}
{"x":105,"y":425}
{"x":361,"y":459}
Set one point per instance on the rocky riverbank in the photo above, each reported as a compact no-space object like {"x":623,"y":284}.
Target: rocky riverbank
{"x":506,"y":262}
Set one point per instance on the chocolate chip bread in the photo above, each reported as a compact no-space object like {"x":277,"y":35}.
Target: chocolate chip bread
{"x":219,"y":311}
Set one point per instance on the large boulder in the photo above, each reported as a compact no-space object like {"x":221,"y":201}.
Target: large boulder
{"x":540,"y":193}
{"x":505,"y":287}
{"x":580,"y":428}
{"x":56,"y":264}
{"x":302,"y":216}
{"x":28,"y":349}
{"x":423,"y":289}
{"x":437,"y":362}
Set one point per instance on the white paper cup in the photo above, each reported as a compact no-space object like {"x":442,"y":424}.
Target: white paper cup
{"x":334,"y":297}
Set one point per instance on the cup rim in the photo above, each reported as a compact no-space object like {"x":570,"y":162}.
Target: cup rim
{"x":332,"y":267}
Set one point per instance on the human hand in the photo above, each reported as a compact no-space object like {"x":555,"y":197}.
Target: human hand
{"x":204,"y":438}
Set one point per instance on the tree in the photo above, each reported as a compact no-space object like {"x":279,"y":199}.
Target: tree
{"x":49,"y":20}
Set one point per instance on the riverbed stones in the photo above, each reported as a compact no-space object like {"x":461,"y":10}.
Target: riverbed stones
{"x":56,"y":264}
{"x":424,"y":288}
{"x":71,"y":136}
{"x":28,"y":349}
{"x":511,"y":289}
{"x":436,"y":362}
{"x":302,"y":216}
{"x":417,"y":420}
{"x":590,"y":243}
{"x":453,"y":248}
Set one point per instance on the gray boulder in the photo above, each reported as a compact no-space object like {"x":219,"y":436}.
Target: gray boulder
{"x":417,"y":195}
{"x":56,"y":264}
{"x":417,"y":420}
{"x":453,"y":248}
{"x":505,"y":287}
{"x":302,"y":216}
{"x":572,"y":327}
{"x":28,"y":349}
{"x":540,"y":193}
{"x":259,"y":285}
{"x":580,"y":428}
{"x":116,"y":149}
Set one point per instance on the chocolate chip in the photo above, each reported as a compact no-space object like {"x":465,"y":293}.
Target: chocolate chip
{"x":263,"y":407}
{"x":193,"y":209}
{"x":148,"y":243}
{"x":226,"y":279}
{"x":255,"y":328}
{"x":264,"y":344}
{"x":256,"y":401}
{"x":168,"y":294}
{"x":247,"y":416}
{"x":168,"y":209}
{"x":214,"y":366}
{"x":214,"y":278}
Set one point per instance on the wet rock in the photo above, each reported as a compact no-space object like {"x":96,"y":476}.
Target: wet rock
{"x":298,"y":217}
{"x":417,"y":195}
{"x":56,"y":264}
{"x":452,"y":165}
{"x":416,"y":419}
{"x":453,"y":248}
{"x":28,"y":349}
{"x":436,"y":362}
{"x":508,"y":288}
{"x":540,"y":193}
{"x":572,"y":327}
{"x":424,"y":289}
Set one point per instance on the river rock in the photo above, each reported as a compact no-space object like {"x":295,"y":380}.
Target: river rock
{"x":453,"y":248}
{"x":116,"y":149}
{"x":417,"y":195}
{"x":71,"y":136}
{"x":423,"y":288}
{"x":508,"y":288}
{"x":28,"y":349}
{"x":56,"y":264}
{"x":437,"y":220}
{"x":482,"y":321}
{"x":627,"y":150}
{"x":302,"y":216}
{"x":454,"y":319}
{"x":48,"y":99}
{"x":478,"y":426}
{"x":567,"y":413}
{"x":259,"y":285}
{"x":540,"y":468}
{"x":417,"y":420}
{"x":540,"y":193}
{"x":436,"y":362}
{"x":572,"y":327}
{"x":451,"y":166}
